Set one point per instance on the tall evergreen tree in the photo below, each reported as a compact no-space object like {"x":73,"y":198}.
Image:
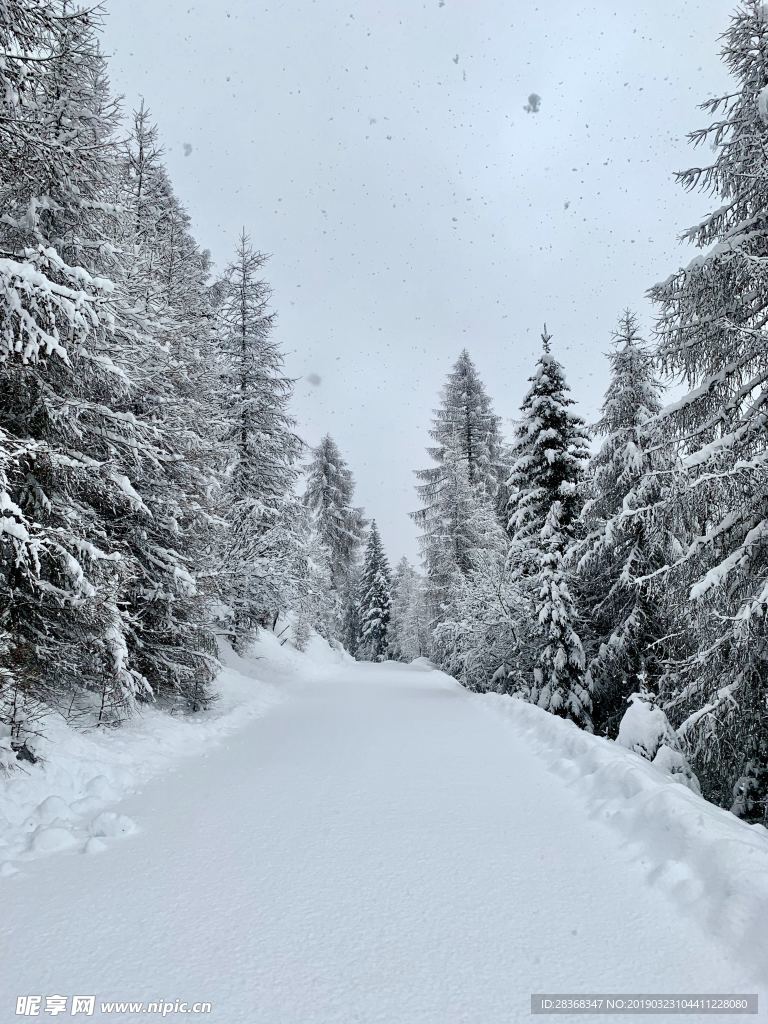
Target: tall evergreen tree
{"x":550,"y":453}
{"x":467,"y":475}
{"x":711,"y":327}
{"x":375,"y":600}
{"x":62,"y":374}
{"x":339,"y":527}
{"x":258,"y":500}
{"x":329,"y":495}
{"x":168,"y":324}
{"x":465,"y":423}
{"x":623,"y":541}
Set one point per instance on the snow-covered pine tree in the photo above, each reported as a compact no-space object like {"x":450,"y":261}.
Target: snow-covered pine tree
{"x":257,"y":499}
{"x":408,"y":638}
{"x":166,"y":328}
{"x":375,"y":600}
{"x":311,"y":606}
{"x":622,"y":540}
{"x":338,"y":525}
{"x":712,"y":334}
{"x":466,"y":549}
{"x":550,"y":452}
{"x":468,"y":455}
{"x":559,"y":684}
{"x":465,"y":422}
{"x":60,"y":368}
{"x":463,"y":525}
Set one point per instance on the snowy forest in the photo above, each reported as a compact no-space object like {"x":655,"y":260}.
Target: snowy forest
{"x":157,"y":499}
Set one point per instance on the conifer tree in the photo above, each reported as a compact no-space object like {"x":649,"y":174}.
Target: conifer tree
{"x":375,"y":600}
{"x":711,"y":327}
{"x":550,"y":453}
{"x":465,"y":423}
{"x":559,"y":682}
{"x":622,"y":540}
{"x":465,"y":480}
{"x":167,"y":326}
{"x":62,"y":375}
{"x":258,"y":502}
{"x":329,"y":495}
{"x":338,"y":525}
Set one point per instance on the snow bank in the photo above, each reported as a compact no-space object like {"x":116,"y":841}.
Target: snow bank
{"x":713,"y":865}
{"x":60,"y":803}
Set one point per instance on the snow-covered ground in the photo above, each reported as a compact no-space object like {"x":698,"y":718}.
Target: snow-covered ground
{"x":61,"y":803}
{"x":338,"y":842}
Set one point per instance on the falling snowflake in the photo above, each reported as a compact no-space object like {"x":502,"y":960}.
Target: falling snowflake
{"x":187,"y":149}
{"x":533,"y":104}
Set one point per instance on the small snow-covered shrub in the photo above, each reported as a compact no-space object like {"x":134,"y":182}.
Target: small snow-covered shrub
{"x":645,"y":729}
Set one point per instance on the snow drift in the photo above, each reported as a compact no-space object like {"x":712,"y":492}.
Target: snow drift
{"x":711,"y":863}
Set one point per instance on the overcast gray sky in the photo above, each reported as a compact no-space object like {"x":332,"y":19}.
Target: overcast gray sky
{"x":382,"y":154}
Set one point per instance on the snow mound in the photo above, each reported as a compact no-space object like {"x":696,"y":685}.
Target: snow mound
{"x":712,"y":864}
{"x":423,"y":665}
{"x":51,"y":839}
{"x":646,"y":730}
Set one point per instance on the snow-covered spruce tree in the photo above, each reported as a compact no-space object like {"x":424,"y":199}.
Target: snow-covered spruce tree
{"x":466,"y":526}
{"x":622,"y":539}
{"x":61,"y":374}
{"x":258,"y":501}
{"x":408,"y":638}
{"x":550,"y":452}
{"x":560,"y":685}
{"x":310,"y":604}
{"x":375,"y":600}
{"x":338,"y":525}
{"x":472,"y":543}
{"x":466,"y":433}
{"x":712,"y":334}
{"x":166,"y":331}
{"x":484,"y":638}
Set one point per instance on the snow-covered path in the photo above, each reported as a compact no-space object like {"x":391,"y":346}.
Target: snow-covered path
{"x":379,"y":848}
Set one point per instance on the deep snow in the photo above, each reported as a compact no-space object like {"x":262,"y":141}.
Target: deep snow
{"x":381,"y":846}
